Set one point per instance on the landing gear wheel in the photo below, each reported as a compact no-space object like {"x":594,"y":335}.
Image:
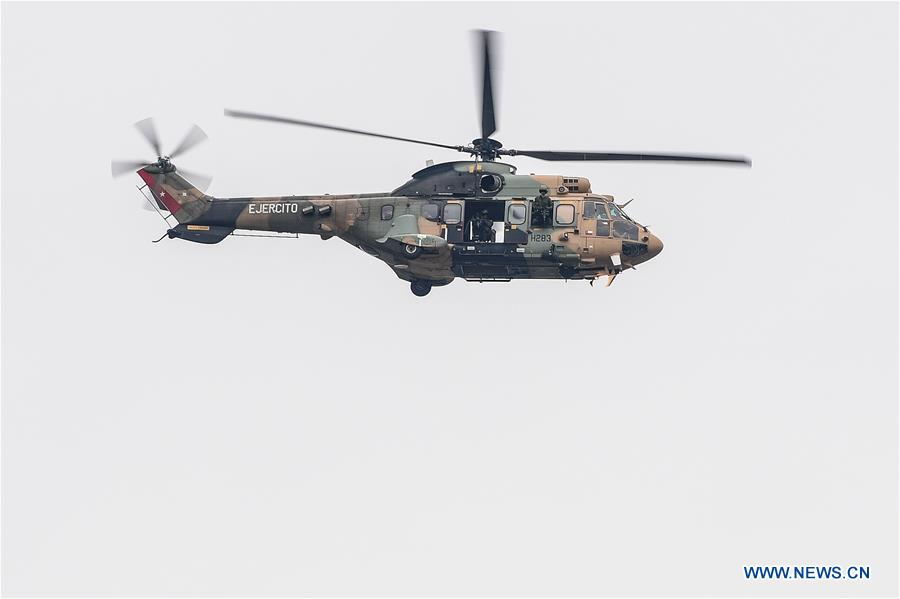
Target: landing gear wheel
{"x":411,"y":251}
{"x":420,"y":288}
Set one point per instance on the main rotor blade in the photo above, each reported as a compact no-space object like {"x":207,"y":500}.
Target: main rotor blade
{"x":488,"y":119}
{"x":198,"y":180}
{"x":148,"y":130}
{"x":121,"y":167}
{"x":277,"y":119}
{"x":193,"y":137}
{"x":613,"y":156}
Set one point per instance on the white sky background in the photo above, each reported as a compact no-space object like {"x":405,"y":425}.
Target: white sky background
{"x":269,"y":417}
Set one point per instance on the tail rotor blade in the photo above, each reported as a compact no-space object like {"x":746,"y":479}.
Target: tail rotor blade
{"x":122,"y":167}
{"x":193,"y":137}
{"x":148,"y":129}
{"x":199,"y":180}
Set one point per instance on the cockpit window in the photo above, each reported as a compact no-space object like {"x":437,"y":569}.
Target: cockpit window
{"x":623,"y":229}
{"x":615,"y":212}
{"x":602,"y":228}
{"x":590,"y":210}
{"x":601,"y":211}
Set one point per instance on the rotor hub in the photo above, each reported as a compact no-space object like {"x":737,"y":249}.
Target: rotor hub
{"x":163,"y":164}
{"x":486,"y":148}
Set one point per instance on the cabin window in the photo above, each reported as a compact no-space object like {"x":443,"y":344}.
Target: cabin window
{"x":387,"y":212}
{"x":452,"y":214}
{"x":431,"y":211}
{"x":565,"y":214}
{"x":516,"y":214}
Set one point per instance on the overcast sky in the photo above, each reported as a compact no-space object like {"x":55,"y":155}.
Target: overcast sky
{"x":283,"y":417}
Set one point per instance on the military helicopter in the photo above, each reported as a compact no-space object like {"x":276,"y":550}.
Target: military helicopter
{"x":475,"y":219}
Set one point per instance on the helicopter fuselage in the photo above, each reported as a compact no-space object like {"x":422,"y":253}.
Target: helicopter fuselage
{"x":479,"y":221}
{"x":475,"y":219}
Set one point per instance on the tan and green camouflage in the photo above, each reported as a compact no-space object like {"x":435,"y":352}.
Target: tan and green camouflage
{"x":422,"y":229}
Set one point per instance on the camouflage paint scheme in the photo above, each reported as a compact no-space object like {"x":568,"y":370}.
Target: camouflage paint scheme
{"x":421,"y":246}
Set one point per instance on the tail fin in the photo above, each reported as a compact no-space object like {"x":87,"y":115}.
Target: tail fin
{"x":173,"y":191}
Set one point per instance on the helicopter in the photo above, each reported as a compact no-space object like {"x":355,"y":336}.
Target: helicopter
{"x":475,"y":219}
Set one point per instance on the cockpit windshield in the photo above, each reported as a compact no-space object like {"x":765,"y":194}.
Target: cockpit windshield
{"x":598,"y":210}
{"x":619,"y":213}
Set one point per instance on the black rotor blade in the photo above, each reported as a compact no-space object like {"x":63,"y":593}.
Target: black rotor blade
{"x":277,"y":119}
{"x":148,"y":130}
{"x":198,"y":180}
{"x":488,"y":120}
{"x":193,"y":137}
{"x":122,"y":167}
{"x":613,"y":156}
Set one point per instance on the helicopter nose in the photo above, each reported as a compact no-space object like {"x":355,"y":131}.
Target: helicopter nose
{"x":654,"y":246}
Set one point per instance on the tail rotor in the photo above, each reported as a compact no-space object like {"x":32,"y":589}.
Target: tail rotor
{"x":147,"y":129}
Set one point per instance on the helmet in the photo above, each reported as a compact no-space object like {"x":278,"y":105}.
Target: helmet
{"x":543,"y":189}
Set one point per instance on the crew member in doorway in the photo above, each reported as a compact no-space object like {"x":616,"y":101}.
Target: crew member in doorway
{"x":482,"y":227}
{"x":541,"y":209}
